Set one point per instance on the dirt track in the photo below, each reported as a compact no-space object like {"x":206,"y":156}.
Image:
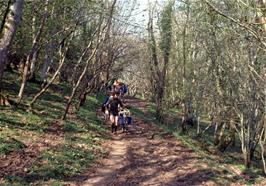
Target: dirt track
{"x":142,"y":158}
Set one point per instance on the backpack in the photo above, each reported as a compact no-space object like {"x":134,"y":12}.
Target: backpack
{"x":106,"y":99}
{"x":124,"y":88}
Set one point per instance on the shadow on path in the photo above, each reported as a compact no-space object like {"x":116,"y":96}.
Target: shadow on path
{"x":140,"y":158}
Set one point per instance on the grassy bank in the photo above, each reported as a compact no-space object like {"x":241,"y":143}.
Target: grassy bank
{"x":38,"y":148}
{"x":227,"y":168}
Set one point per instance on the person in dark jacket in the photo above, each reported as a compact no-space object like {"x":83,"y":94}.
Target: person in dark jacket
{"x":114,"y":105}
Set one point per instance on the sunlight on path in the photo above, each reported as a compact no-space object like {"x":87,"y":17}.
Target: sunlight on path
{"x":137,"y":158}
{"x":115,"y":161}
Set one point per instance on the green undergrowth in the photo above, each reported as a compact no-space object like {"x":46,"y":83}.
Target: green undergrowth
{"x":224,"y":166}
{"x":9,"y":144}
{"x":59,"y":163}
{"x":146,"y":117}
{"x":70,"y":146}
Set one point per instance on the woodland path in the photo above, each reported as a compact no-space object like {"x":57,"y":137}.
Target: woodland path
{"x":142,"y":158}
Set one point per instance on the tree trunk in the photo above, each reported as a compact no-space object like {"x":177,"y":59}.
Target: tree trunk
{"x":61,"y":63}
{"x":219,"y":132}
{"x":77,"y":84}
{"x":247,"y":157}
{"x":81,"y":99}
{"x":48,"y":60}
{"x":261,"y":13}
{"x":262,"y":146}
{"x":33,"y":51}
{"x":10,"y":24}
{"x":184,"y":72}
{"x":32,"y":76}
{"x":166,"y":37}
{"x":227,"y":140}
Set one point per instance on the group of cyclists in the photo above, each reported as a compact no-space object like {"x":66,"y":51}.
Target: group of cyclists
{"x":113,"y":106}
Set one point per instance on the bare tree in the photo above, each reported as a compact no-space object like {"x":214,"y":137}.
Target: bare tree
{"x":158,"y":70}
{"x":61,"y":63}
{"x":31,"y":58}
{"x":8,"y":30}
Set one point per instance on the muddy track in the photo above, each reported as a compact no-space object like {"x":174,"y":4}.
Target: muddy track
{"x":142,"y":158}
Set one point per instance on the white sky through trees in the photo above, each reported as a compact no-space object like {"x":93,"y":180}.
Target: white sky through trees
{"x":141,"y":12}
{"x":140,"y":15}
